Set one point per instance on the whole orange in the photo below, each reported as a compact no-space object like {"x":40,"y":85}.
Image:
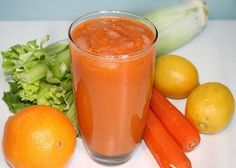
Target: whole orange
{"x":38,"y":137}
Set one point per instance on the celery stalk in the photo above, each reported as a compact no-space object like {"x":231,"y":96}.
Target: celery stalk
{"x":40,"y":75}
{"x":36,"y":73}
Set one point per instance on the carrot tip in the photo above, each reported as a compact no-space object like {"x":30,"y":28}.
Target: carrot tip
{"x":191,"y":146}
{"x":172,"y":166}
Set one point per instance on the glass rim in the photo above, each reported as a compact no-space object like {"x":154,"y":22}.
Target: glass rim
{"x":119,"y":56}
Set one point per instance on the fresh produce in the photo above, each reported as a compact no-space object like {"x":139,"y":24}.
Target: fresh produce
{"x":163,"y":147}
{"x":38,"y":137}
{"x":178,"y":24}
{"x":175,"y":76}
{"x":39,"y":75}
{"x":210,"y":107}
{"x":183,"y":131}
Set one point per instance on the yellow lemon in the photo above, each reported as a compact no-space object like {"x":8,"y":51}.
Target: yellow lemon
{"x":175,"y":76}
{"x":210,"y":107}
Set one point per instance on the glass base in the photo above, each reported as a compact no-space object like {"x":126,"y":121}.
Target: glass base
{"x":109,"y":160}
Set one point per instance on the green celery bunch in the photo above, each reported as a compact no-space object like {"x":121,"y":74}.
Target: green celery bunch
{"x":39,"y":75}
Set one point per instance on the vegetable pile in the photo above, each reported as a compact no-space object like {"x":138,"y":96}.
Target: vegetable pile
{"x":169,"y":133}
{"x":39,"y":75}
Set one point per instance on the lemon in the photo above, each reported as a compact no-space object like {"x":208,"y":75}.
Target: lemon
{"x":210,"y":107}
{"x":175,"y":76}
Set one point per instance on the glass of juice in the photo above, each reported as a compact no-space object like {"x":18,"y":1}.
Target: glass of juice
{"x":112,"y":59}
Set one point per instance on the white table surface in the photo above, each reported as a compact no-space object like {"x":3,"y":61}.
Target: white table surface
{"x":213,"y":52}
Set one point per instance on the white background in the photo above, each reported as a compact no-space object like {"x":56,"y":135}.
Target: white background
{"x":213,"y":52}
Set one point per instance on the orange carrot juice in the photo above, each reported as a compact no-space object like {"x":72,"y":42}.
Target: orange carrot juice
{"x":112,"y":56}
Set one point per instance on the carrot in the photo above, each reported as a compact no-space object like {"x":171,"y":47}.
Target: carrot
{"x":179,"y":127}
{"x":163,"y":147}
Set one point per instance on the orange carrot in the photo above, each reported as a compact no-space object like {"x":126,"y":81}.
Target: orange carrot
{"x":163,"y":147}
{"x":179,"y":127}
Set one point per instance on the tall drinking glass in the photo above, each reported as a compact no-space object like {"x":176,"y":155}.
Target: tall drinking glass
{"x":112,"y":58}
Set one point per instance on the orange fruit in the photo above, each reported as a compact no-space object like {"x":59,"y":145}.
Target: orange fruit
{"x":175,"y":76}
{"x":38,"y":137}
